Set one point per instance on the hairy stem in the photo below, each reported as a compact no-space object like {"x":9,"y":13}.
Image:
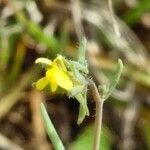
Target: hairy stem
{"x":98,"y":118}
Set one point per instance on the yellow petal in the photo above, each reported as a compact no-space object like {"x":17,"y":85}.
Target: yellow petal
{"x":64,"y":81}
{"x":56,"y":76}
{"x":52,"y":79}
{"x":54,"y":87}
{"x":41,"y":83}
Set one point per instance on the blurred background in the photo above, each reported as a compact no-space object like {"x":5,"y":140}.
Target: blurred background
{"x":45,"y":28}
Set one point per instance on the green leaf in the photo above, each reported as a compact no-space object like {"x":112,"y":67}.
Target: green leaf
{"x":80,"y":67}
{"x":133,"y":15}
{"x":83,"y":109}
{"x":85,"y":140}
{"x":79,"y":70}
{"x":18,"y":61}
{"x":56,"y":141}
{"x":82,"y":50}
{"x":76,"y":90}
{"x":108,"y":88}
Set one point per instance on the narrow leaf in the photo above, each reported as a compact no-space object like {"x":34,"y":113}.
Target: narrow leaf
{"x":83,"y":109}
{"x":108,"y":89}
{"x":82,"y":50}
{"x":76,"y":90}
{"x":56,"y":141}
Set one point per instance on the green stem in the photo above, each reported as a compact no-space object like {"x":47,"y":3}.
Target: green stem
{"x":98,"y":118}
{"x":56,"y":141}
{"x":98,"y":125}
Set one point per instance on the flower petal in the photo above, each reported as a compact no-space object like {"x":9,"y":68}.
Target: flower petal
{"x":58,"y":61}
{"x":64,"y":81}
{"x":41,"y":83}
{"x":43,"y":61}
{"x":54,"y":87}
{"x":51,"y":76}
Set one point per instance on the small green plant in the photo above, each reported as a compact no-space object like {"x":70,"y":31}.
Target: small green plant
{"x":71,"y":77}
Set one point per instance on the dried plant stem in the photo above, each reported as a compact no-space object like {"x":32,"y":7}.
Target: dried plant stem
{"x":98,"y":118}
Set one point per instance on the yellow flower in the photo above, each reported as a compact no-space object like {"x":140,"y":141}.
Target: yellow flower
{"x":56,"y":75}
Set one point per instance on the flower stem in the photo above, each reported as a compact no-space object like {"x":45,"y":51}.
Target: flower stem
{"x":98,"y":118}
{"x":98,"y":125}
